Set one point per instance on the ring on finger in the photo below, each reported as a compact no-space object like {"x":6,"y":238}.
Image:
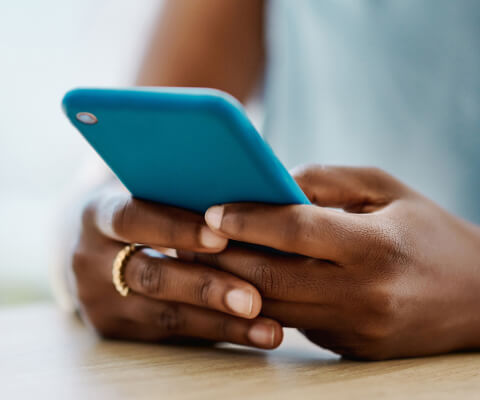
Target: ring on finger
{"x":118,"y":267}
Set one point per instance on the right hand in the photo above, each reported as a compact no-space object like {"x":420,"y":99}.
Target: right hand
{"x":169,"y":298}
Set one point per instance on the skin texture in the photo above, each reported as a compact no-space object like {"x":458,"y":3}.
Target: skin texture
{"x":211,"y":43}
{"x":208,"y":43}
{"x":392,"y":276}
{"x":170,"y":298}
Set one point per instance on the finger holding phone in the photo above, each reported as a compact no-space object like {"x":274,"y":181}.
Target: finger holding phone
{"x":374,"y":281}
{"x":177,"y":151}
{"x":128,"y":133}
{"x":168,"y":298}
{"x":393,"y":275}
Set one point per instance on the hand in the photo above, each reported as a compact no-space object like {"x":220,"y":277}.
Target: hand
{"x":169,"y":298}
{"x":393,"y":276}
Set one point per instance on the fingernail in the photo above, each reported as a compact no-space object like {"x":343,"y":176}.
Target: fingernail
{"x":210,"y":239}
{"x":262,"y":335}
{"x":239,"y":301}
{"x":214,"y":216}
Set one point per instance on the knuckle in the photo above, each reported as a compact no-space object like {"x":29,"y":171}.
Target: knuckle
{"x":169,"y":319}
{"x":383,"y":301}
{"x":124,"y":215}
{"x":150,"y":277}
{"x":382,"y":312}
{"x":263,"y":277}
{"x":267,"y":280}
{"x":204,"y":289}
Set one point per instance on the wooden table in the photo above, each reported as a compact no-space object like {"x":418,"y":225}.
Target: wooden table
{"x":46,"y":354}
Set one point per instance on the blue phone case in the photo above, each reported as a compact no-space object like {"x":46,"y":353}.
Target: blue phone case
{"x":185,"y":147}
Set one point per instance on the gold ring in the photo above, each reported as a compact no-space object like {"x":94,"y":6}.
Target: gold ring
{"x":118,"y":268}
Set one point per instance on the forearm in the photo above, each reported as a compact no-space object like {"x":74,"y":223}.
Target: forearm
{"x":206,"y":43}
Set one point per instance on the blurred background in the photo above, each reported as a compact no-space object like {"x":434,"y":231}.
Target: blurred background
{"x":46,"y":48}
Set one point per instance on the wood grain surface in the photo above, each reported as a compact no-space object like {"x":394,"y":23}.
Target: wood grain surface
{"x":47,"y":354}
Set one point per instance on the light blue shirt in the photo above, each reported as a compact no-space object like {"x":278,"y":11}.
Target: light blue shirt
{"x":388,"y":83}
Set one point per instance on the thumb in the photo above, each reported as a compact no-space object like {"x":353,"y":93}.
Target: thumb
{"x":360,"y":190}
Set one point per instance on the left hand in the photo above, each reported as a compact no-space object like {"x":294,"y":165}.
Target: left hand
{"x":393,"y":276}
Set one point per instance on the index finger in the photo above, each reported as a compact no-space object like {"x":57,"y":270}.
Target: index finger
{"x":303,"y":229}
{"x":123,"y":218}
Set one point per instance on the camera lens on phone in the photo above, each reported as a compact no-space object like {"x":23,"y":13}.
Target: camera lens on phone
{"x":87,"y":118}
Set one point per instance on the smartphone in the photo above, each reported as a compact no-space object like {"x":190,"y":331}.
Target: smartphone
{"x":185,"y":147}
